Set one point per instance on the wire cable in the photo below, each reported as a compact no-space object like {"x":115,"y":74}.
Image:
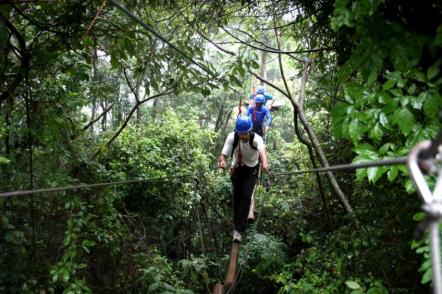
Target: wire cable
{"x":96,"y":185}
{"x":350,"y":166}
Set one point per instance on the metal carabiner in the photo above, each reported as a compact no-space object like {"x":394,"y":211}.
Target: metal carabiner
{"x":432,"y":207}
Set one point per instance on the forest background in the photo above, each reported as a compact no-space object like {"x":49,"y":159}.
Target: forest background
{"x":89,"y":95}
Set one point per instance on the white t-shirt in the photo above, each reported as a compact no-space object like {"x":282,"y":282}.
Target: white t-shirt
{"x":249,"y":155}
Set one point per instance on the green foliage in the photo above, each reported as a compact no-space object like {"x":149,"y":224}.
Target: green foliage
{"x":391,"y":101}
{"x":382,"y":79}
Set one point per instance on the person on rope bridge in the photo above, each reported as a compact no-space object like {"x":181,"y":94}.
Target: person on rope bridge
{"x":261,"y":90}
{"x":258,"y":112}
{"x":245,"y":147}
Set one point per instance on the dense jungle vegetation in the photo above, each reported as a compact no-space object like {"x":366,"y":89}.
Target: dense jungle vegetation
{"x":89,"y":95}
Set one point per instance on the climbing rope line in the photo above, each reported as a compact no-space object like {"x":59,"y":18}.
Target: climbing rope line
{"x":350,"y":166}
{"x":96,"y":185}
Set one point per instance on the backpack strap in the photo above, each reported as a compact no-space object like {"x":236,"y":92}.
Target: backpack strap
{"x":252,"y":136}
{"x":236,"y":141}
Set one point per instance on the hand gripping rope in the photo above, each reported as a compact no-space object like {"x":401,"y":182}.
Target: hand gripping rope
{"x":424,"y":158}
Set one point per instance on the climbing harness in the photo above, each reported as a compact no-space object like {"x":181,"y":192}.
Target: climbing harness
{"x":426,"y":157}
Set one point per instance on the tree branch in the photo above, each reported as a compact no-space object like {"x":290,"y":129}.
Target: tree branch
{"x":273,"y":50}
{"x":24,"y":60}
{"x":130,"y":86}
{"x":126,"y":121}
{"x":98,"y":118}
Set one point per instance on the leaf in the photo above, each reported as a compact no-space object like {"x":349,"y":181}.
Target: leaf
{"x":375,"y":290}
{"x":4,"y":160}
{"x":388,"y":84}
{"x":433,"y":71}
{"x":65,"y":276}
{"x":405,"y":120}
{"x":364,"y":148}
{"x":383,"y":119}
{"x":392,"y":173}
{"x":371,"y":173}
{"x":352,"y":285}
{"x":341,"y":15}
{"x":432,"y":103}
{"x":419,"y":216}
{"x":384,"y":148}
{"x":355,"y":130}
{"x":438,"y":40}
{"x":427,"y":277}
{"x":375,"y":173}
{"x":376,"y":132}
{"x":417,"y":102}
{"x":353,"y":92}
{"x":5,"y":10}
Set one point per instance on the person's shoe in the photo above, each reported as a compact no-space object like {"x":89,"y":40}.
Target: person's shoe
{"x":236,"y":236}
{"x":250,"y":220}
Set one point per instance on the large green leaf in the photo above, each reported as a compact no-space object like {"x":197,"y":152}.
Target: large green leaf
{"x":353,"y":285}
{"x":376,"y":132}
{"x":353,"y":92}
{"x":433,"y":71}
{"x":4,"y":160}
{"x":392,"y":173}
{"x":432,"y":103}
{"x":405,"y":120}
{"x":355,"y":130}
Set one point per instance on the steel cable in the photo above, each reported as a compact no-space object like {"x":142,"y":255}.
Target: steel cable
{"x":96,"y":185}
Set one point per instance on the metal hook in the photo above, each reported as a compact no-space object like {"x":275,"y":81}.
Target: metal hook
{"x":432,"y":203}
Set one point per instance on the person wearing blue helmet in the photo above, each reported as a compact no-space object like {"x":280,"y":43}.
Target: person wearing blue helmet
{"x":246,"y":148}
{"x":259,"y":112}
{"x":261,"y":90}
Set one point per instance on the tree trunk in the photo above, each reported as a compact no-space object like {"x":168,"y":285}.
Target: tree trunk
{"x":263,"y":69}
{"x":95,"y":80}
{"x":299,"y":110}
{"x":317,"y":175}
{"x":314,"y":140}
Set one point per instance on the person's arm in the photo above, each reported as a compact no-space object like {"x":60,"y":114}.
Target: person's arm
{"x":249,"y":111}
{"x":222,"y":162}
{"x":268,"y":120}
{"x":271,"y":103}
{"x":262,"y":153}
{"x":265,"y":163}
{"x":227,"y":149}
{"x":250,"y":101}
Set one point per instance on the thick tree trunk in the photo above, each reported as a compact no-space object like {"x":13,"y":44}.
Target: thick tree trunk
{"x":317,"y":175}
{"x":315,"y":142}
{"x":104,"y":118}
{"x":299,"y":110}
{"x":263,"y":68}
{"x":95,"y":79}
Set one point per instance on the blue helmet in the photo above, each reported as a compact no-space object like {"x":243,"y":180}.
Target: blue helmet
{"x":259,"y":98}
{"x":260,"y":90}
{"x":243,"y":124}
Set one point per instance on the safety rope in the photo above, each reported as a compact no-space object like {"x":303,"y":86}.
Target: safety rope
{"x":350,"y":166}
{"x":96,"y":185}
